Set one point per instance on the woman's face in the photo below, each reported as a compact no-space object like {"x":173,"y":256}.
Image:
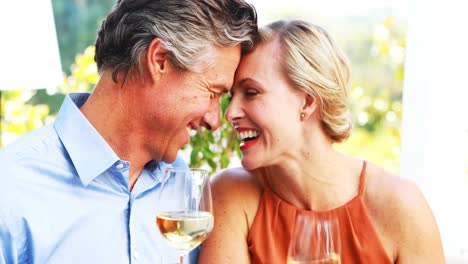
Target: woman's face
{"x":265,"y":108}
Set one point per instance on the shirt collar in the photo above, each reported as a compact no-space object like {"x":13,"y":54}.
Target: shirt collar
{"x":157,"y":169}
{"x":88,"y":151}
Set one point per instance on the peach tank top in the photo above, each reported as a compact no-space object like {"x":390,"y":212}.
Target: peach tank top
{"x":272,"y":228}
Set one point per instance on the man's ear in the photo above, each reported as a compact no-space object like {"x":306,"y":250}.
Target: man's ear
{"x":156,"y":59}
{"x":309,"y":106}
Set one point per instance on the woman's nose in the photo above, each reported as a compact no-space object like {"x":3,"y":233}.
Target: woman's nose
{"x":234,"y":111}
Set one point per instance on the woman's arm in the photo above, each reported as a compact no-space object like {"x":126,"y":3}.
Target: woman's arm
{"x":236,"y":195}
{"x":419,"y":240}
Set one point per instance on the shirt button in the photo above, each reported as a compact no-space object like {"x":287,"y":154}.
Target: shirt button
{"x":119,"y":166}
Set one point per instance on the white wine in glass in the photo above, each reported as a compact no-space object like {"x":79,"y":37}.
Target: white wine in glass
{"x":185,"y":230}
{"x":189,"y":220}
{"x":315,"y":239}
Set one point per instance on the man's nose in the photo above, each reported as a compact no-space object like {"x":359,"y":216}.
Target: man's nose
{"x":211,"y":120}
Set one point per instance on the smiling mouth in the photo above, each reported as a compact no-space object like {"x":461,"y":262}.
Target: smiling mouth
{"x":248,"y":138}
{"x":249,"y":135}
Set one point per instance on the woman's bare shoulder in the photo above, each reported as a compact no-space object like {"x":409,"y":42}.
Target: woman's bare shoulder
{"x":237,"y":182}
{"x":238,"y":190}
{"x":391,"y":192}
{"x":236,"y":195}
{"x":400,"y":212}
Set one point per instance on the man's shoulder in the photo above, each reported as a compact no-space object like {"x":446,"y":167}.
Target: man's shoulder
{"x":36,"y":142}
{"x":30,"y":153}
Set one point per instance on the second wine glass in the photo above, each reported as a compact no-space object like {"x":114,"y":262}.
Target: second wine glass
{"x":187,"y":222}
{"x":315,"y":239}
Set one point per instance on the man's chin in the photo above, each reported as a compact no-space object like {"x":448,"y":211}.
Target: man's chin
{"x":171,"y":153}
{"x":169,"y":159}
{"x":171,"y":156}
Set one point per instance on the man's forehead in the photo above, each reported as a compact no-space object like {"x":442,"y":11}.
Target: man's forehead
{"x":221,"y":72}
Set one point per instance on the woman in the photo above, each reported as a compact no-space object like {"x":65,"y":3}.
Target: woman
{"x":289,"y":107}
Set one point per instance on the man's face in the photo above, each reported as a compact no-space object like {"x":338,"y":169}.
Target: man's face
{"x":184,"y":101}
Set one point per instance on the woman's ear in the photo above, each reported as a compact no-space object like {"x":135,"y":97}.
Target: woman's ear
{"x":309,"y":106}
{"x":156,"y":59}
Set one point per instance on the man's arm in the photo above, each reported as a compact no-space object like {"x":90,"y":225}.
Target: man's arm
{"x":8,"y":251}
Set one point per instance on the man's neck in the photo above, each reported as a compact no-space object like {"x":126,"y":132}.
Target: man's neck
{"x":109,"y":110}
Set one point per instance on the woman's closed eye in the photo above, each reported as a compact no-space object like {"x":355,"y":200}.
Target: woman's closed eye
{"x":250,"y":92}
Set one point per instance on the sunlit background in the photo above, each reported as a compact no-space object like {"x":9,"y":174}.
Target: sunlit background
{"x":423,"y":137}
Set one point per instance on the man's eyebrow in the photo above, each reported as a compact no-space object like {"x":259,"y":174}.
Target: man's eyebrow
{"x":223,"y":89}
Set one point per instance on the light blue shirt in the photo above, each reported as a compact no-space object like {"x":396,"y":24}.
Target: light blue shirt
{"x":65,"y":198}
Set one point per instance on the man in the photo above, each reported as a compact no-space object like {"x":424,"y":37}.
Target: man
{"x":85,"y":189}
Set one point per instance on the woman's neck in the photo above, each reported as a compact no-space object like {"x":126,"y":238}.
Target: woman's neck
{"x":319,"y":178}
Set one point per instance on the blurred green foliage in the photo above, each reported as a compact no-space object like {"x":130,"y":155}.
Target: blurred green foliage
{"x":19,"y":117}
{"x":215,"y":149}
{"x":376,"y":53}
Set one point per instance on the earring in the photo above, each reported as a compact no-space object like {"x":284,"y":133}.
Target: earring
{"x":302,"y":116}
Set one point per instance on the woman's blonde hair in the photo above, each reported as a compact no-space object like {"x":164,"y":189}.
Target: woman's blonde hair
{"x":315,"y":64}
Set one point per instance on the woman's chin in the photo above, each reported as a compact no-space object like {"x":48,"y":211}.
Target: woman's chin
{"x":250,"y":164}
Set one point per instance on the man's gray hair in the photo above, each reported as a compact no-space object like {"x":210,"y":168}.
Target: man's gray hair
{"x":189,"y":29}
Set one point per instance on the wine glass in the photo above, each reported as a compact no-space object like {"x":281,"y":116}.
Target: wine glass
{"x":188,"y":220}
{"x":315,"y":239}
